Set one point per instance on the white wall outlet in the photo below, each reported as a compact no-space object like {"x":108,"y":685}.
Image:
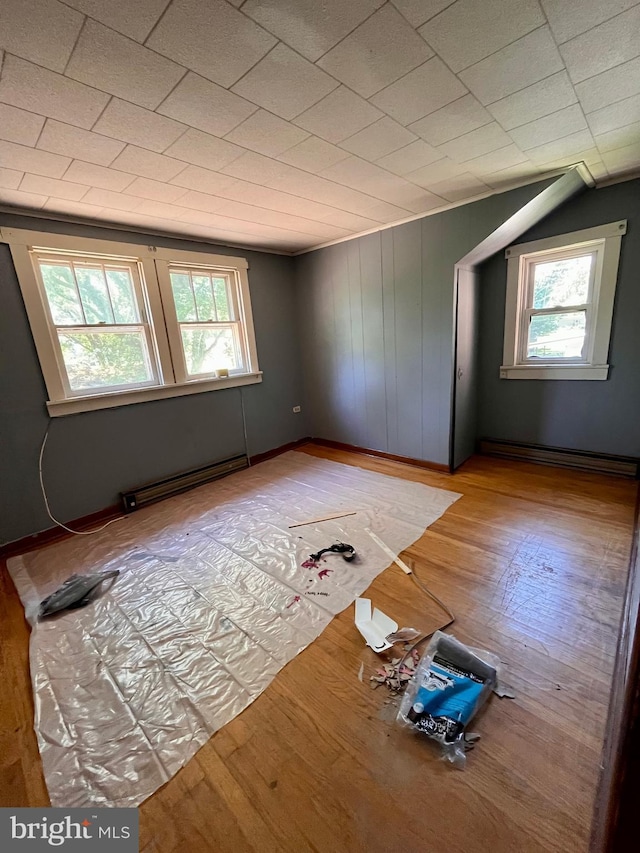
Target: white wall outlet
{"x":297,"y":410}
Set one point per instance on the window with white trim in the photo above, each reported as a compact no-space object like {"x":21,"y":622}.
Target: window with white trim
{"x":559,"y":305}
{"x":119,"y":323}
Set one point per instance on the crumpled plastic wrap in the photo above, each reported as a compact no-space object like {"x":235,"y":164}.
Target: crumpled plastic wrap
{"x":211,"y":602}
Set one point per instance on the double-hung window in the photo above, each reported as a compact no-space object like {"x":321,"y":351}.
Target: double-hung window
{"x":559,"y":305}
{"x":119,"y":323}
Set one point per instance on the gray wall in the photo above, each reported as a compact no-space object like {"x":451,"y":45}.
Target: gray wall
{"x":376,"y":322}
{"x":91,"y":457}
{"x":602,"y":416}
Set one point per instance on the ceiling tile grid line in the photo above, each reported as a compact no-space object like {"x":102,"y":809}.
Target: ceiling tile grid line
{"x":375,"y":109}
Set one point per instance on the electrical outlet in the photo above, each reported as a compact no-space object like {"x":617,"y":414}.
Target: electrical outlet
{"x":297,"y":410}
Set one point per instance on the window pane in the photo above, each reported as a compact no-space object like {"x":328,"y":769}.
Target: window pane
{"x":208,"y":349}
{"x":204,"y":298}
{"x":122,"y":296}
{"x":559,"y":284}
{"x":557,"y":335}
{"x":183,"y":297}
{"x":94,"y":294}
{"x":222,"y":299}
{"x":96,"y":359}
{"x":61,"y":294}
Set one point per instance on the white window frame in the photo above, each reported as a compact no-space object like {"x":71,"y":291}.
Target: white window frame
{"x":604,"y":243}
{"x":158,"y":307}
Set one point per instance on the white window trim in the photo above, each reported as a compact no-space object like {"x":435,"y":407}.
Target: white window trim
{"x":606,"y":241}
{"x":21,"y":241}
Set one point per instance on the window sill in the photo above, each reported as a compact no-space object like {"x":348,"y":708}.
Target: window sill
{"x":555,"y":371}
{"x":74,"y":405}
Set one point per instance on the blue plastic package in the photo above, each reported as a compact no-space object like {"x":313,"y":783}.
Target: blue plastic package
{"x":451,"y":683}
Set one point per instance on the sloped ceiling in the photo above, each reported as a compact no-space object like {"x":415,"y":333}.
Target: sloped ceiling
{"x":288,"y":123}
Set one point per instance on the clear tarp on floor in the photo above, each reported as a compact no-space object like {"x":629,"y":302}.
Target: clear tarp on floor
{"x":212,"y":601}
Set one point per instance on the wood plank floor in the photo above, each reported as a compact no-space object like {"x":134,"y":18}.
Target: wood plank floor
{"x":533,"y":561}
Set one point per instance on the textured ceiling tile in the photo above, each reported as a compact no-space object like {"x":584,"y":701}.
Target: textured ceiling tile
{"x":202,"y":201}
{"x":478,"y":142}
{"x":460,"y":187}
{"x":615,"y":115}
{"x":494,"y":161}
{"x":97,"y":176}
{"x":285,"y":83}
{"x":79,"y":144}
{"x":43,"y":31}
{"x":570,"y":157}
{"x":355,"y":172}
{"x":433,"y":173}
{"x":621,"y":160}
{"x":160,"y":209}
{"x":603,"y":47}
{"x":73,"y":208}
{"x":468,"y":31}
{"x":25,"y":159}
{"x":522,"y":63}
{"x":107,"y":198}
{"x":310,"y":27}
{"x":134,"y":124}
{"x":514,"y":174}
{"x":569,"y":18}
{"x":561,"y":148}
{"x":52,"y":187}
{"x":205,"y":150}
{"x":549,"y":95}
{"x":267,"y":134}
{"x":10,"y":178}
{"x":258,"y":168}
{"x":21,"y":199}
{"x":339,"y":115}
{"x":378,"y":52}
{"x":621,"y":137}
{"x":133,"y":19}
{"x":610,"y":86}
{"x":146,"y":164}
{"x":40,"y":91}
{"x":110,"y":62}
{"x":420,"y":92}
{"x":277,"y":200}
{"x":199,"y":36}
{"x":410,"y":158}
{"x":197,"y":178}
{"x":313,"y":155}
{"x":554,"y":126}
{"x":205,"y":105}
{"x":382,"y":137}
{"x":155,"y":190}
{"x":19,"y":126}
{"x":458,"y":117}
{"x":251,"y":213}
{"x":419,"y":11}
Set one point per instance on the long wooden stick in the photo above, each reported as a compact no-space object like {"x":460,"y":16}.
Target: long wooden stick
{"x":324,"y":518}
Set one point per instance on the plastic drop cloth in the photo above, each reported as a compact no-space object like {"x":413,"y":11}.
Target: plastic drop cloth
{"x":212,"y":601}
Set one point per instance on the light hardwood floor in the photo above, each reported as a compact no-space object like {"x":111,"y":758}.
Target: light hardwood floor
{"x":533,"y":560}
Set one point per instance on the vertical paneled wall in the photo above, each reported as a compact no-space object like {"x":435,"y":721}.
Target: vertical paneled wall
{"x":376,"y":326}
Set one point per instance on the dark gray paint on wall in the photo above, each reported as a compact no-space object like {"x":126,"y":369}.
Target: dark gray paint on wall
{"x":91,"y":457}
{"x":376,"y":320}
{"x":602,"y":417}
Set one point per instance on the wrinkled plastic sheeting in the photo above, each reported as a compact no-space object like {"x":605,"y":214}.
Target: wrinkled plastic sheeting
{"x":211,"y":602}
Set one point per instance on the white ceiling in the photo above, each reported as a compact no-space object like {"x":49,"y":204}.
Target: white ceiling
{"x":289,"y":123}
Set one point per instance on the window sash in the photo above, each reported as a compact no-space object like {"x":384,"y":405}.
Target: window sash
{"x":38,"y":257}
{"x":528,"y":265}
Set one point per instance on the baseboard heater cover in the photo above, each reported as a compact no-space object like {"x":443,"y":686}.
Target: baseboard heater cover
{"x":152,"y":492}
{"x":622,"y":466}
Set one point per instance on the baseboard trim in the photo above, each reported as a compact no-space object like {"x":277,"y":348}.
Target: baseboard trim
{"x":367,"y":451}
{"x":56,"y":534}
{"x":600,"y":463}
{"x":277,"y":451}
{"x":86,"y":522}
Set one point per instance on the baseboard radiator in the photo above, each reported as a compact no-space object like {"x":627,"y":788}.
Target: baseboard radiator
{"x":152,"y":492}
{"x":622,"y":466}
